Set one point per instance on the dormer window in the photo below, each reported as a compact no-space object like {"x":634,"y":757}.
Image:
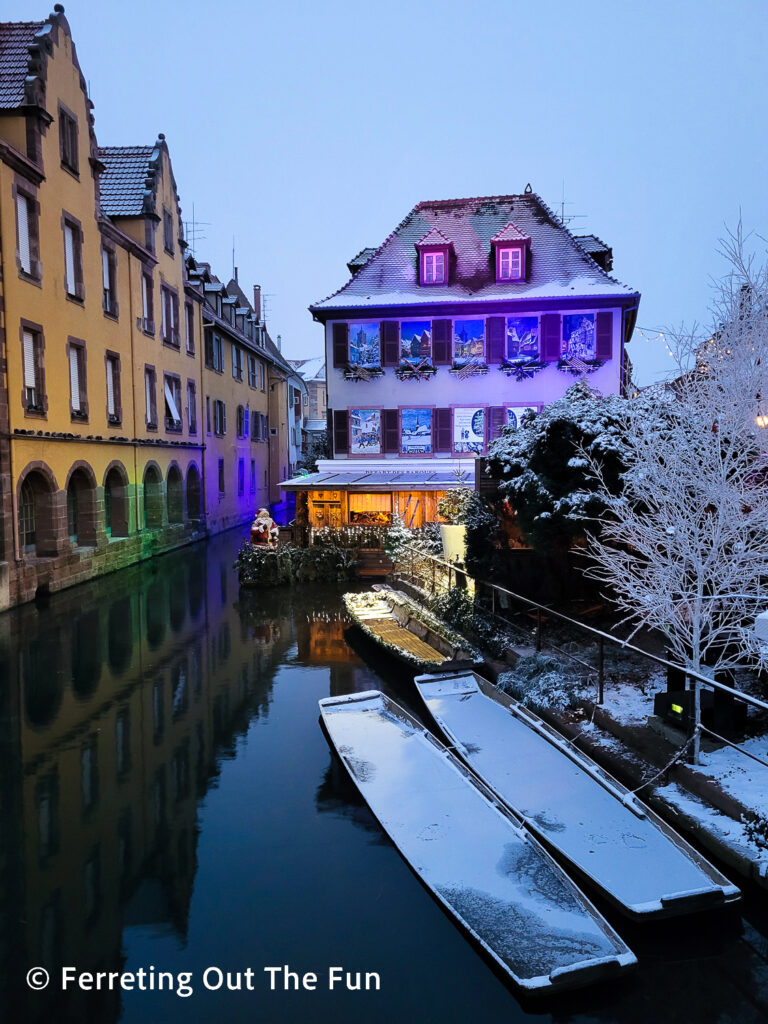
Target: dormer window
{"x":433,"y":267}
{"x":510,"y":264}
{"x":511,"y":253}
{"x":434,"y":251}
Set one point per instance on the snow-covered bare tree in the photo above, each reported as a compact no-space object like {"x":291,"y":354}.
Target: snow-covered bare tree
{"x":684,"y":546}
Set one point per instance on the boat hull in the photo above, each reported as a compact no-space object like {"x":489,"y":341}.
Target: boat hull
{"x":471,"y":853}
{"x":586,"y":817}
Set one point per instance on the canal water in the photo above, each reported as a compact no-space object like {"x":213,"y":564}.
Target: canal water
{"x":168,"y":803}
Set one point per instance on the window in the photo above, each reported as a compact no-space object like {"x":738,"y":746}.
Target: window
{"x":221,"y":477}
{"x":217,"y":353}
{"x":240,"y":477}
{"x":192,"y":407}
{"x":77,"y":383}
{"x":510,"y":264}
{"x":252,"y":373}
{"x":27,"y":234}
{"x":149,"y":394}
{"x":109,"y":281}
{"x":262,"y":376}
{"x":33,"y":371}
{"x":433,"y":267}
{"x":189,"y":310}
{"x":237,"y":362}
{"x":27,"y":529}
{"x":168,"y":231}
{"x":68,"y":141}
{"x":114,"y":410}
{"x":148,"y":303}
{"x":219,"y":418}
{"x":240,"y":421}
{"x":172,"y":392}
{"x":169,"y":311}
{"x":207,"y":414}
{"x":73,"y":260}
{"x":253,"y":476}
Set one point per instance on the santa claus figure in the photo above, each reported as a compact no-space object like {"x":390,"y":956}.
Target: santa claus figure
{"x":264,"y":529}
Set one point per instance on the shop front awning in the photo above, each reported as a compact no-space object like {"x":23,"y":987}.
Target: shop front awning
{"x":395,"y":479}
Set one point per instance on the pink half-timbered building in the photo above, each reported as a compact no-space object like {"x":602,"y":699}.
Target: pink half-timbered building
{"x":471,"y":312}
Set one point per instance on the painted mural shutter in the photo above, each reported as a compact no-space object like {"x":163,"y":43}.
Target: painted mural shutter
{"x":390,"y":343}
{"x":22,"y":213}
{"x":340,"y":431}
{"x":389,"y":430}
{"x":29,"y":360}
{"x":74,"y":378}
{"x":550,"y":337}
{"x":495,"y":332}
{"x":496,"y":420}
{"x":442,"y":430}
{"x":340,"y":344}
{"x":604,"y":336}
{"x":441,"y":342}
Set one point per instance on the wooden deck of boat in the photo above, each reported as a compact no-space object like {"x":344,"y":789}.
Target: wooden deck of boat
{"x":393,"y":633}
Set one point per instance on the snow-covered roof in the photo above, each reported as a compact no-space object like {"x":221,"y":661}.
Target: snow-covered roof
{"x":310,"y":369}
{"x":560,"y":266}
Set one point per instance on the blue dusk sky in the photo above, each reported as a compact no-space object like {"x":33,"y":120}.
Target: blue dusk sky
{"x":651,"y":116}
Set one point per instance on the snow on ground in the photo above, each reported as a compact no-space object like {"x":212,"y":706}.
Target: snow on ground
{"x":731,"y":832}
{"x":738,"y":775}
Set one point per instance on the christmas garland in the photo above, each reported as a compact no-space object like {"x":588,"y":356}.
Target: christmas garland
{"x":579,"y":367}
{"x":354,"y":372}
{"x":521,"y":371}
{"x":422,"y":370}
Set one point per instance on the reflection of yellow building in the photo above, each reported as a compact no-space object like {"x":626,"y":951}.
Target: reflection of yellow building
{"x":122,"y":707}
{"x":101,"y":457}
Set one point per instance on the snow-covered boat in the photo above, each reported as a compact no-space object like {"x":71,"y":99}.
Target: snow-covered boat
{"x":569,"y":803}
{"x":471,"y":852}
{"x":408,"y":632}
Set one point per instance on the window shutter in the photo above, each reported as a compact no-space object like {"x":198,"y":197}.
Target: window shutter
{"x":550,"y":337}
{"x":148,"y":394}
{"x":22,"y":213}
{"x":442,"y":430}
{"x":340,"y":344}
{"x":441,"y":342}
{"x":495,"y":328}
{"x":246,"y":422}
{"x":74,"y":378}
{"x":30,"y":377}
{"x":340,"y":432}
{"x":604,"y":336}
{"x":145,"y":297}
{"x":69,"y":259}
{"x":110,"y":387}
{"x":389,"y":431}
{"x":390,"y":343}
{"x":496,"y":420}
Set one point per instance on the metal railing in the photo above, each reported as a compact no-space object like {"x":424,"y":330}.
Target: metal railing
{"x":437,"y":573}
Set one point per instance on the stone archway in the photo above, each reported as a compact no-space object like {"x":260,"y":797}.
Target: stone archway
{"x":194,"y":495}
{"x":116,"y":501}
{"x":37,"y":513}
{"x":81,"y":506}
{"x":153,"y":498}
{"x":174,"y":490}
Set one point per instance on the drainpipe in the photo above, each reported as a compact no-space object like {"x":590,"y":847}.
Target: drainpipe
{"x":133,"y":392}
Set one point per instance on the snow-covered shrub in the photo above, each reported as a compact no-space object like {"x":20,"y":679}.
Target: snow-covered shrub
{"x":260,"y":566}
{"x":454,"y":505}
{"x":542,"y":681}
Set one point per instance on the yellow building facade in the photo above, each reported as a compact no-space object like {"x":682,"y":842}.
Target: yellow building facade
{"x":105,"y":458}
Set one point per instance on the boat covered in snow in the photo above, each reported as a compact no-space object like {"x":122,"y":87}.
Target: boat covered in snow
{"x":409,"y":632}
{"x":568,"y":802}
{"x":470,"y":851}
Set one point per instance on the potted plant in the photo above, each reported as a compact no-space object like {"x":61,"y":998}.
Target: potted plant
{"x":453,"y":508}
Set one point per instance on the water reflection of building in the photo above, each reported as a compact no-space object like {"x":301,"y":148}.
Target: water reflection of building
{"x":111,"y":724}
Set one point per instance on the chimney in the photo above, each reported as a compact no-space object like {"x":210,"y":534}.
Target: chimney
{"x":279,"y":343}
{"x":236,"y":276}
{"x":257,"y":301}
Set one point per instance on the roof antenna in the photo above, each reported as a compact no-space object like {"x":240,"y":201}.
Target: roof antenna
{"x":528,"y":190}
{"x":565,"y":221}
{"x":234,"y":268}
